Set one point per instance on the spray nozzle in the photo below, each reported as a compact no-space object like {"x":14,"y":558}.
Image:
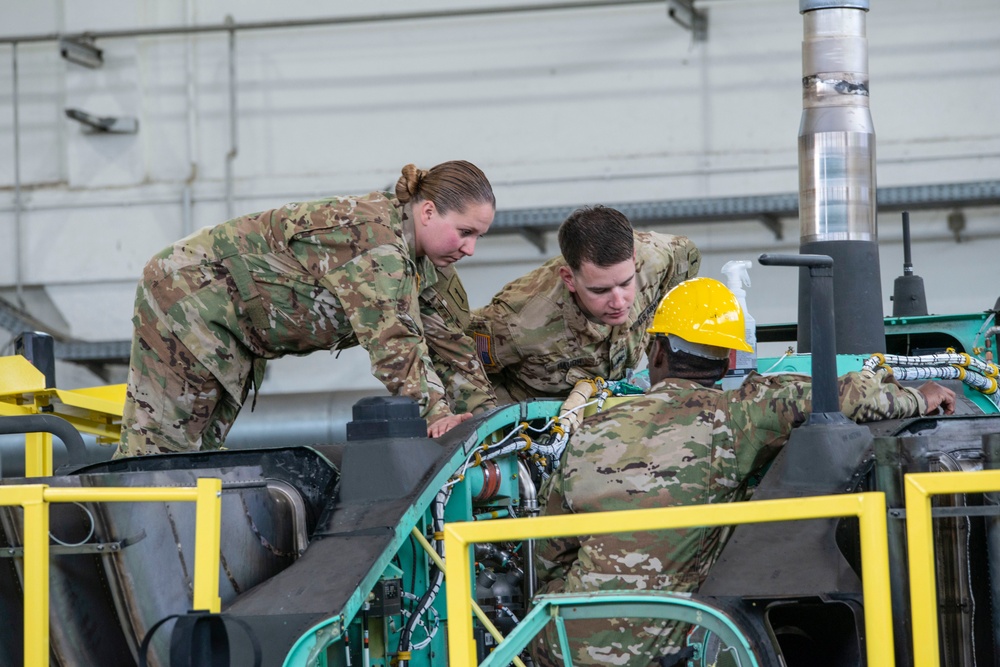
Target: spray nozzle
{"x":737,"y":274}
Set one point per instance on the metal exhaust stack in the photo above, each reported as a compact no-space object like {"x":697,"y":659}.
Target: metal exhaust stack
{"x":837,"y":173}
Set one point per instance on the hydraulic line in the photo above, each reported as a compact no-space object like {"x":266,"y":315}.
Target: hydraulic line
{"x":987,"y":385}
{"x":976,"y":373}
{"x":430,"y":632}
{"x":476,"y":609}
{"x":572,"y":407}
{"x":437,"y":526}
{"x":950,"y":358}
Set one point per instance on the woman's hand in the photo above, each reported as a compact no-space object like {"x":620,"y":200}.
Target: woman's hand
{"x":445,"y":424}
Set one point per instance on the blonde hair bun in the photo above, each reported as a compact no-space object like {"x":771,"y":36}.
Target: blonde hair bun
{"x":408,"y":184}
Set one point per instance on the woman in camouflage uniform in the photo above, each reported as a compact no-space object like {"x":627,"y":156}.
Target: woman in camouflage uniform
{"x":328,"y":274}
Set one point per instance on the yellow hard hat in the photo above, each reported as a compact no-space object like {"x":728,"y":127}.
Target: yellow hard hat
{"x":702,"y":311}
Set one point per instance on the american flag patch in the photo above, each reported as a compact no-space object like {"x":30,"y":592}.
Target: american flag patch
{"x":484,"y":344}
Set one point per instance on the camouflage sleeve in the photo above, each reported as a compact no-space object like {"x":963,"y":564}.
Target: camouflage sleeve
{"x":767,"y":408}
{"x":554,"y":556}
{"x":444,"y":310}
{"x":686,"y":262}
{"x":869,"y":396}
{"x":495,"y":344}
{"x":378,"y":291}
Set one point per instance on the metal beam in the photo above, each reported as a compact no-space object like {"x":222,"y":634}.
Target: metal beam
{"x":535,"y":236}
{"x":454,"y":13}
{"x":756,"y":207}
{"x":773,"y":223}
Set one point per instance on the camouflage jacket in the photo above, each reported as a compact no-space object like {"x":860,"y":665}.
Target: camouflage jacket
{"x":444,"y":309}
{"x":534,"y":340}
{"x":318,"y":275}
{"x":681,"y":444}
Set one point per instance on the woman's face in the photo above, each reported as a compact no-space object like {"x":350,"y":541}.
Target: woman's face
{"x":447,"y":238}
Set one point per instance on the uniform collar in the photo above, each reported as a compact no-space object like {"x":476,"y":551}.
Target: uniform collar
{"x":426,"y":270}
{"x":409,"y":235}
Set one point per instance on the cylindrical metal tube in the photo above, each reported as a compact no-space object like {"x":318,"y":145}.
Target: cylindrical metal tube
{"x":836,"y":135}
{"x":837,"y":172}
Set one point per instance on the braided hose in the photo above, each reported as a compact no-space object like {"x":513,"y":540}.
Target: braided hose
{"x":976,"y":373}
{"x":950,"y":358}
{"x":571,"y":412}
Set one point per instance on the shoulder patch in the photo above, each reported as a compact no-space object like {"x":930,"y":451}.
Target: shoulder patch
{"x":484,"y":349}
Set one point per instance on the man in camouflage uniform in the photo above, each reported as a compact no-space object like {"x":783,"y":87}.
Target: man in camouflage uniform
{"x":583,"y":314}
{"x":684,"y":443}
{"x":321,"y":275}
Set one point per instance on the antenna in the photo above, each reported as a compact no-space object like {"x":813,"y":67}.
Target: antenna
{"x":908,"y":298}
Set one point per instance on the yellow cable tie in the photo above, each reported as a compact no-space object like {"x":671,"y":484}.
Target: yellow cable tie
{"x":880,"y":357}
{"x":992,"y":371}
{"x":403,"y":655}
{"x":524,"y":425}
{"x":966,"y":357}
{"x":438,"y":535}
{"x":478,"y":460}
{"x":527,"y":442}
{"x":558,"y":430}
{"x":961,"y":372}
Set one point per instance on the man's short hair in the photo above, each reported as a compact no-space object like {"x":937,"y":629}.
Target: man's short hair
{"x":599,"y":235}
{"x":696,"y":367}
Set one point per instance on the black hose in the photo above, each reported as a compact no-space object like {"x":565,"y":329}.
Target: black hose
{"x":57,"y":426}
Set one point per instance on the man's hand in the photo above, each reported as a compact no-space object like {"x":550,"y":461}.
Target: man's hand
{"x":938,"y":397}
{"x":445,"y":424}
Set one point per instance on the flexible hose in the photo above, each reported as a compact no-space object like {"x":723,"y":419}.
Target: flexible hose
{"x":437,"y":525}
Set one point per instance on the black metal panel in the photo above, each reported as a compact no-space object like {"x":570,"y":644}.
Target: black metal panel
{"x":383,"y":482}
{"x":857,"y":297}
{"x":313,"y":471}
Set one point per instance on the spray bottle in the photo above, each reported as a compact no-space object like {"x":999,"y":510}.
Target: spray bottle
{"x":740,"y":362}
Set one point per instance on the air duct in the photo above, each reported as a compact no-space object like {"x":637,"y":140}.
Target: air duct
{"x":837,"y":173}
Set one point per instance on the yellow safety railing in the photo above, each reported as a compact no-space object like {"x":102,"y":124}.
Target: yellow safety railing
{"x":920,"y":545}
{"x":35,"y":499}
{"x":95,"y":411}
{"x":868,"y":507}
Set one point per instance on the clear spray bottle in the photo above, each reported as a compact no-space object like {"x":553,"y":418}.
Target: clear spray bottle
{"x":740,"y":362}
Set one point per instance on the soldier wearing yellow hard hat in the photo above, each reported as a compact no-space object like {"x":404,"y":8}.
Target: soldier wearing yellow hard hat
{"x":683,"y":443}
{"x":698,"y":323}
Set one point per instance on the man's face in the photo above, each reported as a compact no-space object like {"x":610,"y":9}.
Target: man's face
{"x":604,"y":293}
